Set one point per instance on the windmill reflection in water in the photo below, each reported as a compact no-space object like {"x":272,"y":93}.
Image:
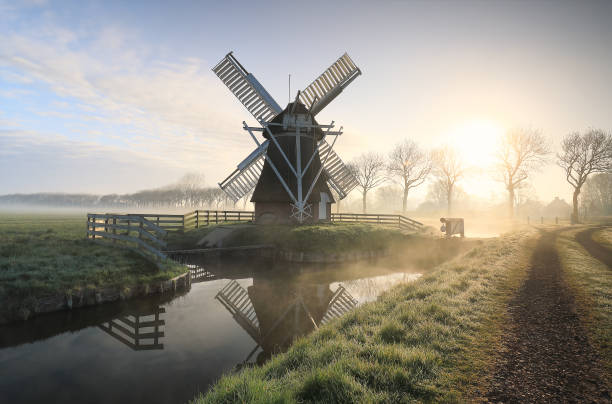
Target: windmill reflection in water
{"x":274,"y":313}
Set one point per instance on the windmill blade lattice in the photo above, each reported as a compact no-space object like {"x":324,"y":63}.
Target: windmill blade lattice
{"x":339,"y":177}
{"x":328,"y":85}
{"x":245,"y":176}
{"x":341,"y":302}
{"x":246,"y":88}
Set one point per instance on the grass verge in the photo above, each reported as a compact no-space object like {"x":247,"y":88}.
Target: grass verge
{"x":429,"y":341}
{"x":591,"y":281}
{"x":328,"y":237}
{"x":45,"y":254}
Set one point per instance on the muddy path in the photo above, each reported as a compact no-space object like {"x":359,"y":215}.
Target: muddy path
{"x":546,"y":356}
{"x":603,"y":254}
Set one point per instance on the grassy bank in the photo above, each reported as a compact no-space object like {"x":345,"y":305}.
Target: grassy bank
{"x":329,"y":237}
{"x":42,"y":254}
{"x":604,"y":237}
{"x":591,"y":281}
{"x":430,"y":340}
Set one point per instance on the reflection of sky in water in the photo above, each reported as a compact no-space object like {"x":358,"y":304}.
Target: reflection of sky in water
{"x":368,"y":289}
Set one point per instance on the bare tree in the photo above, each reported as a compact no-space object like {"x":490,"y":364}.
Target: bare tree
{"x":521,"y":151}
{"x":410,"y":166}
{"x":448,"y":168}
{"x":582,"y":155}
{"x":369,"y":170}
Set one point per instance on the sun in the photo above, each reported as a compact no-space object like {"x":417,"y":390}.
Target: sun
{"x":476,"y":141}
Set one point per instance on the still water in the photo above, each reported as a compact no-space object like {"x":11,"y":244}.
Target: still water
{"x":166,"y":349}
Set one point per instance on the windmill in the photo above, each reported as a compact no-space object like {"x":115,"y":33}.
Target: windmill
{"x":293,"y":169}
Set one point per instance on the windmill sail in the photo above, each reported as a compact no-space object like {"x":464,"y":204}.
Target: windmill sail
{"x":244,"y":178}
{"x":340,"y":303}
{"x":236,"y":300}
{"x":246,"y":88}
{"x":339,"y":177}
{"x":329,"y":84}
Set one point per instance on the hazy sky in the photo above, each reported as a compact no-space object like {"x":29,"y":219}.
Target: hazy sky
{"x":119,"y":96}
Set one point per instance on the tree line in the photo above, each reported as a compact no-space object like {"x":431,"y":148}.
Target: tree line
{"x":586,"y":160}
{"x":188,"y":192}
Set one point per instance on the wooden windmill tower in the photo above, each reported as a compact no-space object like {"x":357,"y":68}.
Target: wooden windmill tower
{"x":294,"y":167}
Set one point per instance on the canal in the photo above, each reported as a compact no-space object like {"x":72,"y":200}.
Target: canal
{"x":167,"y":348}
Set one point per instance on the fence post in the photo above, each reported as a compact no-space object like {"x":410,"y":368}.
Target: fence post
{"x":114,"y":229}
{"x":208,"y":218}
{"x":197,"y":218}
{"x":225,"y":215}
{"x":238,"y":215}
{"x":216,"y":217}
{"x":140,"y":232}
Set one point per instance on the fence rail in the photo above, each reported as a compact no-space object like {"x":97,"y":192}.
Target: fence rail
{"x":400,"y":221}
{"x":200,"y":218}
{"x":168,"y":222}
{"x":133,"y":231}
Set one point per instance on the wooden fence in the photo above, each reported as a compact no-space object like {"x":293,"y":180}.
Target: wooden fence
{"x":200,"y":218}
{"x":133,"y":231}
{"x":167,"y":222}
{"x":400,"y":221}
{"x":147,"y":232}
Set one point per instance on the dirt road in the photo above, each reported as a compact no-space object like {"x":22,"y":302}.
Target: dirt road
{"x":546,"y":355}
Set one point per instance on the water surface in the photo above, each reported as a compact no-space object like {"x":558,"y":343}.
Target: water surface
{"x":166,"y":349}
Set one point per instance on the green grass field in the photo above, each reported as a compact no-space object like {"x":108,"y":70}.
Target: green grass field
{"x":425,"y":341}
{"x":45,"y":254}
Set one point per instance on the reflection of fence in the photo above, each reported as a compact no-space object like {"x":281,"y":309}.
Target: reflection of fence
{"x":340,"y":303}
{"x":131,"y":230}
{"x":199,"y":274}
{"x":138,"y":331}
{"x":400,"y":221}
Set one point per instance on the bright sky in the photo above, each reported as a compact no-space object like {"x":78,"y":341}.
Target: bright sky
{"x":119,"y":96}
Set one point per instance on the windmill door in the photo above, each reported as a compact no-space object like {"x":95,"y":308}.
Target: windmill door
{"x":323,"y":206}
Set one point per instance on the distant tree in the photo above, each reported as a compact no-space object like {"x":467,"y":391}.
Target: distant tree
{"x":582,"y":155}
{"x":369,"y":170}
{"x":388,"y":198}
{"x":448,"y":168}
{"x":437,"y":194}
{"x":409,"y":166}
{"x":521,"y":151}
{"x":596,"y":196}
{"x":191,"y":184}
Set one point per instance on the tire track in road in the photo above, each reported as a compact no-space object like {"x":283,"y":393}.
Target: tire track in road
{"x":603,"y":254}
